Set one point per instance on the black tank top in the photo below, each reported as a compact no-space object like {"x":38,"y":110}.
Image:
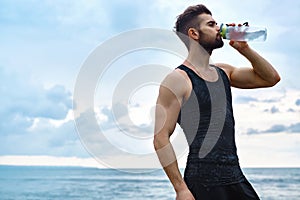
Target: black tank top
{"x":207,"y":120}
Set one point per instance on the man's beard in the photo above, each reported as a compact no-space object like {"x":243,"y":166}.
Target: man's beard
{"x":210,"y":46}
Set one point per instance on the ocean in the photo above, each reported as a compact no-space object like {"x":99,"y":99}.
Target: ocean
{"x":66,"y":183}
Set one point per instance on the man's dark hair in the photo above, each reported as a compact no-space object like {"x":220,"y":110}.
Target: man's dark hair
{"x":188,"y":19}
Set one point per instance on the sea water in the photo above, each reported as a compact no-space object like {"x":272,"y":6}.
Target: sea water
{"x":41,"y":183}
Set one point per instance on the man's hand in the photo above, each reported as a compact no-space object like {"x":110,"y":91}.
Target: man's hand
{"x":239,"y":45}
{"x":184,"y":195}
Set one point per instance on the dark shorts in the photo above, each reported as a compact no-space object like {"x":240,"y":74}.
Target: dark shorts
{"x":237,"y":191}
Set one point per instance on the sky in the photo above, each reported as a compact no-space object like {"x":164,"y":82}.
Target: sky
{"x":44,"y":46}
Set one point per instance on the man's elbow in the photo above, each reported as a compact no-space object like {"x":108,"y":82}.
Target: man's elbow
{"x":275,"y":80}
{"x":272,"y":80}
{"x":159,"y":141}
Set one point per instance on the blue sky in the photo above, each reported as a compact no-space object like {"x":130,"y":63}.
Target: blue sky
{"x":44,"y":44}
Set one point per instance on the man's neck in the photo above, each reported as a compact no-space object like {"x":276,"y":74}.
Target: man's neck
{"x":198,"y":58}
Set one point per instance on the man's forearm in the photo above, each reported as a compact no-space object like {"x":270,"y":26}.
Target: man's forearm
{"x":175,"y":177}
{"x":261,"y":66}
{"x":167,"y":158}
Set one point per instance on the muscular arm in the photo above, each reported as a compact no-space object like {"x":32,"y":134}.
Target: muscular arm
{"x":262,"y":73}
{"x":171,"y":95}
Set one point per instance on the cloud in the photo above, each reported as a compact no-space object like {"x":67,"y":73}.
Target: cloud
{"x":68,"y":13}
{"x":118,"y":118}
{"x":49,"y":161}
{"x":277,"y":128}
{"x":269,"y":111}
{"x":291,"y":110}
{"x":272,"y":110}
{"x":30,"y":114}
{"x":244,"y":99}
{"x":26,"y":99}
{"x":294,"y":128}
{"x":269,"y":150}
{"x":252,"y":131}
{"x":256,"y":97}
{"x":44,"y":139}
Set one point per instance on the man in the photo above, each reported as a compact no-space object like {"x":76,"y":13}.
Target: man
{"x":197,"y":96}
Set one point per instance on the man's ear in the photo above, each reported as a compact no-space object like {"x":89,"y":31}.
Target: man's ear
{"x":193,"y":33}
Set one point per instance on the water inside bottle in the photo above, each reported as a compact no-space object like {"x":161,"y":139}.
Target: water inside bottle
{"x":246,"y":34}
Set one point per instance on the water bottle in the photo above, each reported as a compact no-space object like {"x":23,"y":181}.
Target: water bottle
{"x":243,"y":32}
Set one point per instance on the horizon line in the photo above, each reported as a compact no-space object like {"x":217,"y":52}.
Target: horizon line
{"x":89,"y":162}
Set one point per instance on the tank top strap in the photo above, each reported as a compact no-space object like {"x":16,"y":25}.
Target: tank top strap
{"x":191,"y":74}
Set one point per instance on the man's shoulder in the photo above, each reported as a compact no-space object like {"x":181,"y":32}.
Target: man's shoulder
{"x":177,"y":82}
{"x":225,"y":68}
{"x":176,"y":76}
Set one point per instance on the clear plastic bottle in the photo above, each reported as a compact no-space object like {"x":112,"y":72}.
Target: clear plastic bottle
{"x":243,"y":32}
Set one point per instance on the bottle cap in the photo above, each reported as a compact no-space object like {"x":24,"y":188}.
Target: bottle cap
{"x":223,"y":30}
